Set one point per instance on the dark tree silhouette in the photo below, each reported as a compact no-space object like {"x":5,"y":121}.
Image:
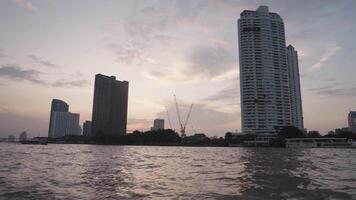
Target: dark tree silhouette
{"x":313,"y":134}
{"x":290,"y":132}
{"x":286,"y":132}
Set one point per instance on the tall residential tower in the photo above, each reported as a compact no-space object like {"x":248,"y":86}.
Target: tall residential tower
{"x":294,"y":86}
{"x":264,"y":78}
{"x":109,"y":115}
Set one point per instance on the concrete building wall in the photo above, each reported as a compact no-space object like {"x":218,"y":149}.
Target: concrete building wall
{"x":109,"y":116}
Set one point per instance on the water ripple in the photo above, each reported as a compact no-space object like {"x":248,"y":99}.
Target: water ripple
{"x":141,"y":172}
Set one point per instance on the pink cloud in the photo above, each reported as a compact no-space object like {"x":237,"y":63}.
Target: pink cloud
{"x":27,"y":4}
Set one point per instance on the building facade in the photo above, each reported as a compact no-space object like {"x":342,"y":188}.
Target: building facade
{"x":64,"y":123}
{"x":56,"y":105}
{"x":87,"y":128}
{"x":352,"y":121}
{"x":264,"y":78}
{"x":109,"y":116}
{"x":158,"y":124}
{"x":294,"y":86}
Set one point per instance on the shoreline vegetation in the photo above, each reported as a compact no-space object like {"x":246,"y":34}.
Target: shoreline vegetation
{"x":169,"y":137}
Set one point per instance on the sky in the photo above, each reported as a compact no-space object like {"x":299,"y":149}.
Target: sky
{"x":53,"y":49}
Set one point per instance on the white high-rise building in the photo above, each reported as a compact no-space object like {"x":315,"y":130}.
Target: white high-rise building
{"x":264,"y":79}
{"x":294,"y":86}
{"x":64,"y":123}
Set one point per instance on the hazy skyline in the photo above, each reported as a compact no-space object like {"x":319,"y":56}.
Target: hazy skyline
{"x":53,"y":49}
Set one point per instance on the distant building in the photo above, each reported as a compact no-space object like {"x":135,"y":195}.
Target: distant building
{"x":23,"y":136}
{"x":294,"y":85}
{"x":352,"y":121}
{"x":57,"y":105}
{"x":340,"y":130}
{"x":109,"y":116}
{"x":11,"y":138}
{"x":87,"y":128}
{"x":199,"y":135}
{"x":331,"y":133}
{"x":158,"y":124}
{"x":64,"y":123}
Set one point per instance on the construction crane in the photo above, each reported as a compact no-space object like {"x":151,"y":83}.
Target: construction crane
{"x":169,"y":120}
{"x":182,"y":125}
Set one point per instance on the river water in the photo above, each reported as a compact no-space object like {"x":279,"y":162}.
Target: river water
{"x":63,"y":171}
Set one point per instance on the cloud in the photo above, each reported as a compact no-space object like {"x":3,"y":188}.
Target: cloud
{"x":202,"y":63}
{"x":158,"y":29}
{"x":38,"y":60}
{"x":229,"y":94}
{"x":140,"y":28}
{"x":174,"y":76}
{"x":27,"y":4}
{"x":329,"y":79}
{"x":2,"y":55}
{"x":130,"y":52}
{"x":325,"y":87}
{"x":338,"y":92}
{"x":326,"y":57}
{"x":335,"y":90}
{"x":17,"y":73}
{"x":210,"y":62}
{"x":225,"y":100}
{"x":66,"y":83}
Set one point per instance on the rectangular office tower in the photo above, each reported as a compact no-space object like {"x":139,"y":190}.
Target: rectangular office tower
{"x":264,"y":81}
{"x":109,"y":115}
{"x":294,"y":86}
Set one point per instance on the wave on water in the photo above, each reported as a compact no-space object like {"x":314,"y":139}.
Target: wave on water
{"x":123,"y":172}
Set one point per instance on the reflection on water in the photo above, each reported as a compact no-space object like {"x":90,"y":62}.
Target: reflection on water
{"x":136,"y":172}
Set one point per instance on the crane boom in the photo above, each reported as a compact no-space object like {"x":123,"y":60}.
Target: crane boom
{"x":186,"y":120}
{"x":179,"y":118}
{"x":169,"y":119}
{"x":182,"y":126}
